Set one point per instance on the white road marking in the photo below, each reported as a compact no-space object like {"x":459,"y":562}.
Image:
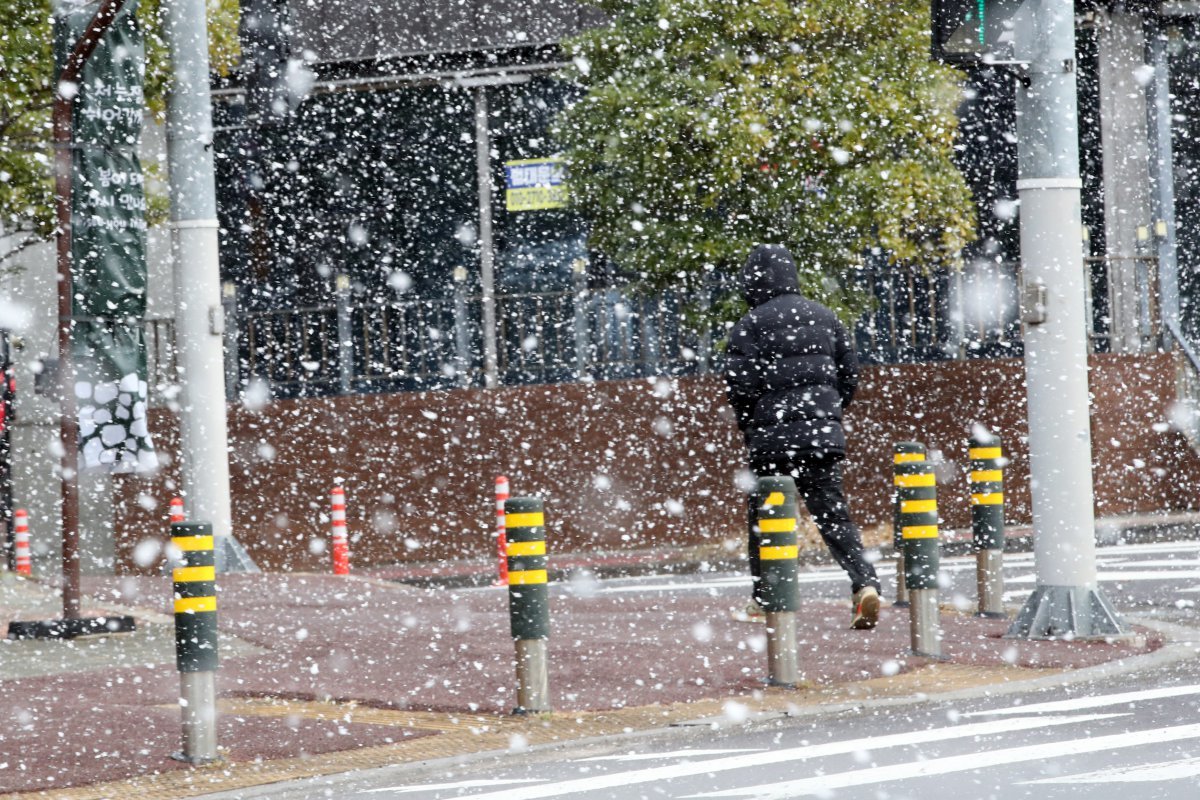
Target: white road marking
{"x":660,"y":756}
{"x":971,"y":762}
{"x":673,"y":771}
{"x":477,"y":783}
{"x":1137,"y":773}
{"x":1098,"y":701}
{"x":1125,"y":577}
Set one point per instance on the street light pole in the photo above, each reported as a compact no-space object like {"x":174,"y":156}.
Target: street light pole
{"x":1067,"y":601}
{"x":199,"y":318}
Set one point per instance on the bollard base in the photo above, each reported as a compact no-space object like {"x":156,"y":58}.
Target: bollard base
{"x":198,"y":704}
{"x":989,"y":582}
{"x":533,"y":678}
{"x":925,"y":623}
{"x":782,"y":661}
{"x":991,"y":615}
{"x":196,"y":762}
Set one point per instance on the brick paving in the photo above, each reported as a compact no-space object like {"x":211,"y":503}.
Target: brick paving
{"x":324,"y":674}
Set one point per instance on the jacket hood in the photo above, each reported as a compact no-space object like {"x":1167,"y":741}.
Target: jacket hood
{"x":769,"y":272}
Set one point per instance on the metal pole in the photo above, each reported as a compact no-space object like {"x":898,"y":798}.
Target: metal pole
{"x":204,"y":440}
{"x":917,"y":492}
{"x":528,"y":601}
{"x":775,"y":517}
{"x":904,"y":453}
{"x":487,"y":254}
{"x":1067,"y":600}
{"x":987,"y":520}
{"x":196,"y":639}
{"x":1162,"y":174}
{"x":68,"y":429}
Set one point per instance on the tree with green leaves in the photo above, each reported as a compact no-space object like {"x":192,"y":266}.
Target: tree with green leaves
{"x":27,"y":94}
{"x":709,"y":126}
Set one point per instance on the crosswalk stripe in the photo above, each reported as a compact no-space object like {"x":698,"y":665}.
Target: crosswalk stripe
{"x":1098,"y":701}
{"x":681,"y":770}
{"x":824,"y":784}
{"x":1135,"y":773}
{"x":1131,"y":575}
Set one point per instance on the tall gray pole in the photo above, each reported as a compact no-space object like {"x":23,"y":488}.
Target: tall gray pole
{"x":1067,"y":601}
{"x":199,"y":321}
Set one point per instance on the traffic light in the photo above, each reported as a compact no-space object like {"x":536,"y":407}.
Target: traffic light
{"x":973,"y":31}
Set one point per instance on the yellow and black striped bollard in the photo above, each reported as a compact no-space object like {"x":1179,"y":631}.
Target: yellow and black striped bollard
{"x":904,"y":453}
{"x":777,"y":552}
{"x":528,"y":601}
{"x":916,"y":486}
{"x":196,"y":639}
{"x":987,"y":521}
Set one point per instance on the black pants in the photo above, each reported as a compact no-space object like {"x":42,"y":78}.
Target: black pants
{"x":819,"y":482}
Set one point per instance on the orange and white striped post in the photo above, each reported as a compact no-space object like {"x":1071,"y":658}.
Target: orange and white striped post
{"x":501,"y":533}
{"x":341,"y":544}
{"x":21,"y":540}
{"x":177,"y":510}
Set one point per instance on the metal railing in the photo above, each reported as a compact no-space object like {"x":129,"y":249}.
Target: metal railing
{"x":592,"y":334}
{"x":1185,"y":415}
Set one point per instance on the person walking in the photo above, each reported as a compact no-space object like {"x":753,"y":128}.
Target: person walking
{"x":790,"y":372}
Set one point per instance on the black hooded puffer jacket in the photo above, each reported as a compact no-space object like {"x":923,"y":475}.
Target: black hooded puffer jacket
{"x":790,"y":367}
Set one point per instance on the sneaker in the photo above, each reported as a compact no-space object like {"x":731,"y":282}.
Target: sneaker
{"x":753,"y":612}
{"x":866,"y":609}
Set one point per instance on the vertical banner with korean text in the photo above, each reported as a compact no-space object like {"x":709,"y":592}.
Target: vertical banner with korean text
{"x":108,"y":240}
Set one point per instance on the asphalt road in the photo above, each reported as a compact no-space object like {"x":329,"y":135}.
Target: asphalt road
{"x":1122,"y":735}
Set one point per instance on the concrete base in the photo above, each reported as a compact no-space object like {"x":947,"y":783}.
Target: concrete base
{"x":1066,"y":612}
{"x":231,"y":556}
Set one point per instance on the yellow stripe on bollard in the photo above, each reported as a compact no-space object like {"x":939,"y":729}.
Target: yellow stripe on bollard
{"x":777,"y":525}
{"x":775,"y":499}
{"x":992,"y":499}
{"x":908,"y":458}
{"x":193,"y":542}
{"x":778,"y":553}
{"x":987,"y":476}
{"x":915,"y":481}
{"x":526,"y":548}
{"x":526,"y":577}
{"x":188,"y":574}
{"x":531,"y":520}
{"x":184,"y":605}
{"x":917,"y":506}
{"x":920,"y":532}
{"x":981,"y":453}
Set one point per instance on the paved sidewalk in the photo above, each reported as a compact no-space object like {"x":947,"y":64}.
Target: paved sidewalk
{"x":322,"y":674}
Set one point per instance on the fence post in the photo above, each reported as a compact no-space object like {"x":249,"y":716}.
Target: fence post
{"x":987,"y":521}
{"x":229,"y":337}
{"x":528,"y":601}
{"x":196,"y":639}
{"x":777,"y":552}
{"x":462,"y":331}
{"x":345,"y":334}
{"x":917,"y":490}
{"x":904,"y":453}
{"x":579,"y":279}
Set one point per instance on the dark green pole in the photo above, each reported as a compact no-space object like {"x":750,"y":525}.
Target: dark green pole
{"x":916,"y":487}
{"x":528,"y":601}
{"x":775,"y":499}
{"x":904,"y":453}
{"x":987,"y":520}
{"x":196,"y":638}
